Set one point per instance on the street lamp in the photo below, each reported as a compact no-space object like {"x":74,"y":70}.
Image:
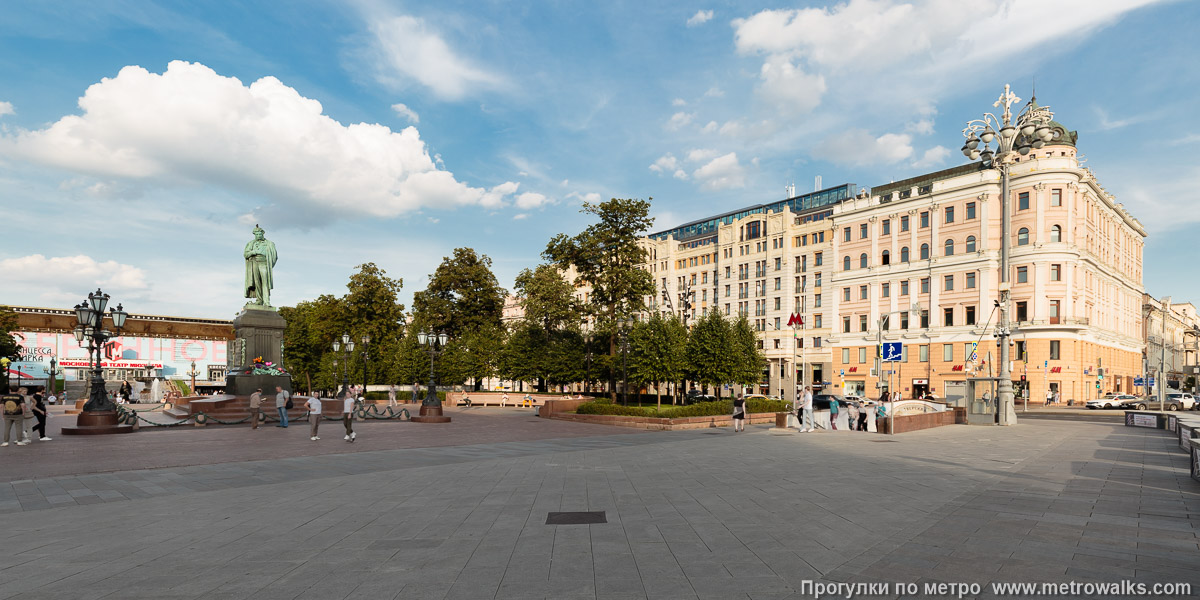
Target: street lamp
{"x":1030,"y":131}
{"x":193,"y":373}
{"x":431,"y":406}
{"x":345,"y":345}
{"x":99,"y":414}
{"x":365,"y":339}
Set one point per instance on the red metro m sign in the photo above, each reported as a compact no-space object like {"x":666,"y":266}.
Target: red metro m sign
{"x":795,"y":320}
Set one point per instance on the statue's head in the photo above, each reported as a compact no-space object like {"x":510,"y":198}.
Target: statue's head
{"x":259,"y":233}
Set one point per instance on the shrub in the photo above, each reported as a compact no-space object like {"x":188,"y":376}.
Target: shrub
{"x":699,"y":409}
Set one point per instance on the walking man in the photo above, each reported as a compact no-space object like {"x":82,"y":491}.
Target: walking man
{"x":281,"y":400}
{"x":255,"y":408}
{"x":14,"y":406}
{"x":1049,"y":397}
{"x":39,"y":412}
{"x":348,"y":416}
{"x":392,"y":396}
{"x":314,"y":417}
{"x":806,"y":402}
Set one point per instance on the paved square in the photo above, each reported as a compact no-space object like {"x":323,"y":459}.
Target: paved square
{"x":691,"y":514}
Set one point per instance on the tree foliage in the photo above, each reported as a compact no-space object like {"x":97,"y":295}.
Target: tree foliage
{"x":548,"y":298}
{"x":658,"y":351}
{"x":709,"y":351}
{"x":747,"y":361}
{"x":463,"y":295}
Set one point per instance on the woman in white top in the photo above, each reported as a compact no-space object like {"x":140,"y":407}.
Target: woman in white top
{"x":348,"y":417}
{"x":314,"y":417}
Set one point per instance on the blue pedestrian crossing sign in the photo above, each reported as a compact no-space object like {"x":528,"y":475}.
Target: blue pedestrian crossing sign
{"x":892,"y":351}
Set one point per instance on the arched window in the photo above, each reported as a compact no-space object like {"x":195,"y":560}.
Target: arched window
{"x":924,"y":251}
{"x":846,"y":263}
{"x":904,"y":254}
{"x":970,"y":243}
{"x":1056,"y":234}
{"x":949,"y":247}
{"x":887,"y":258}
{"x":862,"y":260}
{"x":1023,"y":236}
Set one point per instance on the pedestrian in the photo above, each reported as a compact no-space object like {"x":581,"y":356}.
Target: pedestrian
{"x":53,"y":399}
{"x":255,"y":408}
{"x":14,"y":407}
{"x":503,"y":399}
{"x":806,"y":404}
{"x":739,"y":413}
{"x":851,"y":415}
{"x":392,"y":396}
{"x":348,"y":417}
{"x":314,"y":416}
{"x":528,"y":400}
{"x":833,"y":413}
{"x":1049,"y":397}
{"x":282,"y":400}
{"x":863,"y":409}
{"x":39,"y":413}
{"x":1057,"y":398}
{"x":28,"y":416}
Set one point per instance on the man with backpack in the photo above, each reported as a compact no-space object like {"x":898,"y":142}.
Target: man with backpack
{"x":282,"y":404}
{"x":14,"y":407}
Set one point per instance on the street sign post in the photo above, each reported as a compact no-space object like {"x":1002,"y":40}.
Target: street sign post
{"x":893,"y":351}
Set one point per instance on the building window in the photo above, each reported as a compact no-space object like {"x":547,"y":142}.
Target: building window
{"x":924,"y":319}
{"x":1056,"y":234}
{"x":1055,"y":272}
{"x":1022,"y":274}
{"x":777,"y":284}
{"x":886,"y":259}
{"x":1020,"y":351}
{"x":904,"y":254}
{"x":862,"y":322}
{"x":845,"y":324}
{"x":923,"y":353}
{"x":862,"y":231}
{"x":1023,"y":201}
{"x":970,"y":280}
{"x":970,"y":210}
{"x":970,"y":243}
{"x":924,"y":219}
{"x":948,"y":317}
{"x":1022,"y":312}
{"x":845,"y":356}
{"x":846,"y":263}
{"x":949,"y":218}
{"x":904,"y":223}
{"x":726,"y":290}
{"x":924,"y":285}
{"x":949,"y":283}
{"x":862,"y":292}
{"x":862,"y":355}
{"x":817,"y":259}
{"x":1054,"y":350}
{"x":862,"y":260}
{"x":817,"y":301}
{"x":904,"y":322}
{"x":1054,"y":308}
{"x":887,"y":227}
{"x":777,"y":304}
{"x":1055,"y":197}
{"x":846,"y":234}
{"x":817,"y":323}
{"x":949,"y":247}
{"x":817,"y":280}
{"x":924,"y":251}
{"x":948,"y":352}
{"x":778,"y":264}
{"x":904,"y":287}
{"x":885,"y":290}
{"x":845,"y":294}
{"x":1023,"y":237}
{"x":969,"y":317}
{"x":777,"y":327}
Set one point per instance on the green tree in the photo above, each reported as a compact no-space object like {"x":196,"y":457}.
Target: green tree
{"x":548,"y":298}
{"x":748,"y":361}
{"x":522,"y":354}
{"x":463,"y":295}
{"x":709,"y":351}
{"x":606,"y":256}
{"x":657,"y":351}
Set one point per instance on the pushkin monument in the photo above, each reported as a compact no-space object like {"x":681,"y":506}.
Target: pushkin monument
{"x":256,"y":353}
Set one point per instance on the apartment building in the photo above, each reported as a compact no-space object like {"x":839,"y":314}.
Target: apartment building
{"x":1171,"y":331}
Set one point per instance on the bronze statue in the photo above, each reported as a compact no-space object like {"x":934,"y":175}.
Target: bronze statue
{"x":260,"y":258}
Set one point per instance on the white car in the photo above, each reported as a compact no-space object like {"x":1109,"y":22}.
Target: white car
{"x":1184,"y":400}
{"x":1110,"y":401}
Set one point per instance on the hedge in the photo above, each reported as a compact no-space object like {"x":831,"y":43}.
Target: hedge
{"x":699,"y":409}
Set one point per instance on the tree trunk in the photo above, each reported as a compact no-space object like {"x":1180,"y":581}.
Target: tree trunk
{"x":658,"y":393}
{"x":612,"y":373}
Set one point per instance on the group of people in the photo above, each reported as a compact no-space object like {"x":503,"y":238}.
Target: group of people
{"x":25,"y":414}
{"x":1053,"y":397}
{"x":283,"y":402}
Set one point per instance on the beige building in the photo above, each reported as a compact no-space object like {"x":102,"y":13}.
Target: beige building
{"x":1178,"y":356}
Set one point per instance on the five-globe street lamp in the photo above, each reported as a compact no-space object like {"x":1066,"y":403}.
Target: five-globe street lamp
{"x":436,"y":343}
{"x":346,"y":346}
{"x":193,"y":373}
{"x":90,"y":329}
{"x":1030,"y":131}
{"x":365,"y":339}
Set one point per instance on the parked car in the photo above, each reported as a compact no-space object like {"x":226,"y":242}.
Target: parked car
{"x":1173,"y":401}
{"x":821,"y":400}
{"x":1110,"y":401}
{"x":694,"y":398}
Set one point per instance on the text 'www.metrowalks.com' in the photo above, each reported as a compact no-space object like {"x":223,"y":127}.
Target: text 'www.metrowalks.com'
{"x":1069,"y":589}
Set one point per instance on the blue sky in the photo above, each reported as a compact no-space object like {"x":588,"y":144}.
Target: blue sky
{"x":141,"y":142}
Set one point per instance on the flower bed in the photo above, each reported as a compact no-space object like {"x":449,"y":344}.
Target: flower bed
{"x":699,"y":409}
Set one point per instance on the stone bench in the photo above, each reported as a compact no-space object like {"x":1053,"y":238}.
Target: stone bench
{"x":495,"y":398}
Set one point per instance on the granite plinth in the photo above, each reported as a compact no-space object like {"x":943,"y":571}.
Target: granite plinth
{"x":97,"y":422}
{"x":430,"y":414}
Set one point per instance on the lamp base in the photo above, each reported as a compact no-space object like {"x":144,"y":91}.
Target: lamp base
{"x":97,"y":422}
{"x":431,"y":414}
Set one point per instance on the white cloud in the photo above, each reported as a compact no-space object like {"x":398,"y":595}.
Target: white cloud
{"x":589,"y":197}
{"x":405,"y":112}
{"x":665,"y":163}
{"x":679,"y":102}
{"x":788,"y":87}
{"x":191,"y":125}
{"x":701,"y":17}
{"x":530,"y":200}
{"x":714,"y":92}
{"x":59,"y":278}
{"x":933,"y":157}
{"x":710,"y":127}
{"x":6,"y":108}
{"x":494,"y":198}
{"x":409,"y":50}
{"x":702,"y":154}
{"x":721,"y":173}
{"x":858,"y":147}
{"x":520,"y":216}
{"x":678,"y":120}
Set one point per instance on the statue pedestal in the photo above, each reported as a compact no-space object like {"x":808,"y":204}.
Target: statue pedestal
{"x":258,"y":332}
{"x":97,"y":422}
{"x":430,"y":414}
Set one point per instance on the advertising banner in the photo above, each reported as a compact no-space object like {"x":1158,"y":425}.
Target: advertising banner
{"x":169,"y":357}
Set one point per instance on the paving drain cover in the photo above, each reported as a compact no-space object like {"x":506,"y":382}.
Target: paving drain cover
{"x":575,"y":518}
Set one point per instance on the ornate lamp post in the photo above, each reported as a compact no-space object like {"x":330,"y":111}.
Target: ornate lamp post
{"x":345,"y":346}
{"x":431,"y":406}
{"x":99,"y":413}
{"x":366,"y":339}
{"x":193,"y":373}
{"x":1031,"y":130}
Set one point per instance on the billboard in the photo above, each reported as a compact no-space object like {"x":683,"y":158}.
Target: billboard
{"x":168,"y":356}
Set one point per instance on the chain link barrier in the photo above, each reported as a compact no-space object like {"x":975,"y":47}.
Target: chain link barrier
{"x":128,"y":416}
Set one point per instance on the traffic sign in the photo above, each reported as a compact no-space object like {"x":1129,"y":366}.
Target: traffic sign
{"x":1045,"y":363}
{"x":893,"y":351}
{"x":843,"y":372}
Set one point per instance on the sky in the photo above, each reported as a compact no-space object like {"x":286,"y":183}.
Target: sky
{"x":141,"y":142}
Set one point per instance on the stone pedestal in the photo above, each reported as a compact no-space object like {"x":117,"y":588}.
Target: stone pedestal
{"x":431,"y":414}
{"x":98,"y":422}
{"x":258,"y":332}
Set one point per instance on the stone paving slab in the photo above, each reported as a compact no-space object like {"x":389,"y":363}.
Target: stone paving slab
{"x":691,"y":515}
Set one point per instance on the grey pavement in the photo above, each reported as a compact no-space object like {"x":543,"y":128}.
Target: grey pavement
{"x":692,"y":514}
